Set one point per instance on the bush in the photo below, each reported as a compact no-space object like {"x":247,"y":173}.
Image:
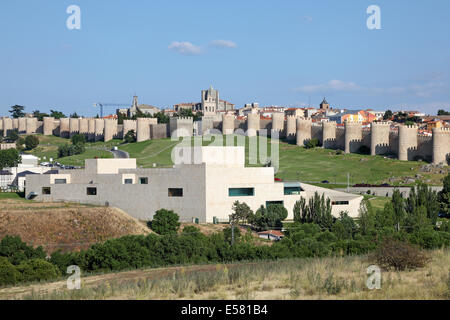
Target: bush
{"x":37,"y":270}
{"x":364,"y":150}
{"x":31,"y":142}
{"x":312,"y":143}
{"x":165,"y":222}
{"x":78,"y":139}
{"x":8,"y":273}
{"x":17,"y":251}
{"x":399,"y":255}
{"x":68,"y":150}
{"x":130,"y":137}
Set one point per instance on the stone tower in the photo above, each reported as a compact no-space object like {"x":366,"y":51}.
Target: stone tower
{"x":210,"y":101}
{"x":329,"y":134}
{"x":303,"y":130}
{"x":379,"y":137}
{"x":353,"y":136}
{"x":253,"y":124}
{"x":227,"y":124}
{"x":441,"y":145}
{"x":324,"y":105}
{"x":407,"y":142}
{"x":291,"y":128}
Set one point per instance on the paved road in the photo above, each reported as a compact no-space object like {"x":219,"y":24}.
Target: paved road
{"x":119,"y":154}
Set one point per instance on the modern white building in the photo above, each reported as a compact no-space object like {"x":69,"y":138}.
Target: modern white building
{"x":15,"y":177}
{"x":203,"y":184}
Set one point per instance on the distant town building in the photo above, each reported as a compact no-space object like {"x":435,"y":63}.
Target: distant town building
{"x":324,"y":105}
{"x":210,"y":104}
{"x":136,"y":107}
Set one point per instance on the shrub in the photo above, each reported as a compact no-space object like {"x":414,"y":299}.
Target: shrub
{"x":17,"y":251}
{"x":165,"y":222}
{"x":68,"y":150}
{"x":130,"y":137}
{"x":37,"y":270}
{"x":399,"y":255}
{"x":8,"y":273}
{"x":78,"y":139}
{"x":364,"y":150}
{"x":312,"y":143}
{"x":31,"y":142}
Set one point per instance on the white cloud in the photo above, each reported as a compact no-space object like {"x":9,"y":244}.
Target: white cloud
{"x":185,"y":48}
{"x":223,"y":44}
{"x":333,"y":85}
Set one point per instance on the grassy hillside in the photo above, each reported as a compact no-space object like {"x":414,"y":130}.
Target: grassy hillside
{"x":315,"y":278}
{"x":48,"y":148}
{"x":296,"y":163}
{"x":66,"y":226}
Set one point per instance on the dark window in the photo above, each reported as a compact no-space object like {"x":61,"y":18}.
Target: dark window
{"x":143,"y":180}
{"x":46,"y":190}
{"x":339,"y":203}
{"x":128,"y":181}
{"x":175,"y":192}
{"x":288,"y":191}
{"x":241,"y":192}
{"x":91,"y":191}
{"x":60,"y":181}
{"x":268,"y":203}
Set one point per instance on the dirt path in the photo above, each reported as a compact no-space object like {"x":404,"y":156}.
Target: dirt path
{"x":20,"y":292}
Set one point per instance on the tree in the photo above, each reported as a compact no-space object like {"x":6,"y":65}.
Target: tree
{"x":241,"y":212}
{"x":12,"y":136}
{"x":39,"y":115}
{"x":17,"y":111}
{"x":317,"y":210}
{"x":31,"y":142}
{"x":442,"y":112}
{"x":57,"y":114}
{"x":312,"y":143}
{"x":74,"y":115}
{"x":165,"y":222}
{"x":9,"y":158}
{"x":78,"y":139}
{"x":130,"y":137}
{"x":270,"y":217}
{"x":366,"y":217}
{"x":444,"y":197}
{"x":398,"y":205}
{"x":344,"y":227}
{"x":162,"y":118}
{"x":388,"y":115}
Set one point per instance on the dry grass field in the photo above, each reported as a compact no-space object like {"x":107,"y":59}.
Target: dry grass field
{"x":320,"y":278}
{"x":66,"y":226}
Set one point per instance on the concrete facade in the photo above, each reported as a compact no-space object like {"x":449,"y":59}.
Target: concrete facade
{"x":205,"y":188}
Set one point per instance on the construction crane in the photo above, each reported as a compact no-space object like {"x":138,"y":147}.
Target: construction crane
{"x":101,"y":105}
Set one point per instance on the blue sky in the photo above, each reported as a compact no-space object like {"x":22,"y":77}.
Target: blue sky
{"x":271,"y":52}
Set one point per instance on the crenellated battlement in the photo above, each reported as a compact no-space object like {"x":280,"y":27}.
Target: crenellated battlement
{"x":441,"y":130}
{"x":381,"y":123}
{"x":353,"y":123}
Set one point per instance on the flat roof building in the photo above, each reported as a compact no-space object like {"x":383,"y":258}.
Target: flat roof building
{"x":203,"y":184}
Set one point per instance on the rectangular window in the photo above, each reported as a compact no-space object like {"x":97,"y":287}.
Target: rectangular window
{"x":91,"y":191}
{"x":143,"y":180}
{"x":339,"y":203}
{"x":60,"y":181}
{"x":128,"y":181}
{"x":175,"y":192}
{"x":241,"y":192}
{"x":46,"y":190}
{"x":289,"y":191}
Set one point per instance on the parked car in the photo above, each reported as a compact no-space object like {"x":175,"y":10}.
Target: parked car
{"x":325,"y":181}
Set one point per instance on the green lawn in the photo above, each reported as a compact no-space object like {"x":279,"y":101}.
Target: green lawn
{"x":48,"y":148}
{"x":296,"y":163}
{"x":10,"y":195}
